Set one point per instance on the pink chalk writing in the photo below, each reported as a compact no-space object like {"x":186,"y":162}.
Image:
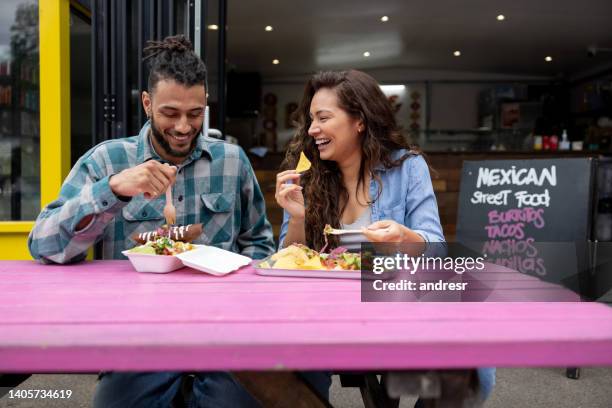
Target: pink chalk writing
{"x":527,"y":215}
{"x":509,"y":245}
{"x":506,"y":231}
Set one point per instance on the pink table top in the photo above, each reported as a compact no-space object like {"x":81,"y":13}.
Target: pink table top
{"x":105,"y":316}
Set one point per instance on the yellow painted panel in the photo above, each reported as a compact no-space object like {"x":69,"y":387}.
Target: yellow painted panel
{"x":14,"y":246}
{"x":54,"y":20}
{"x":14,"y":240}
{"x":16,"y":226}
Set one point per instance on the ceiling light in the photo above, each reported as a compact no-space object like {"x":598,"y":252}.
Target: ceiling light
{"x":457,"y":53}
{"x":501,"y":17}
{"x":384,"y":19}
{"x":275,"y":61}
{"x":366,"y":54}
{"x":213,"y":27}
{"x":548,"y":58}
{"x":269,"y":28}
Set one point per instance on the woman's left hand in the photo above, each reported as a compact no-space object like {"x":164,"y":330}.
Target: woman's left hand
{"x":390,"y":231}
{"x":384,"y":231}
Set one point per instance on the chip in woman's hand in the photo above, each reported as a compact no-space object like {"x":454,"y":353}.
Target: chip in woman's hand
{"x":303,"y":164}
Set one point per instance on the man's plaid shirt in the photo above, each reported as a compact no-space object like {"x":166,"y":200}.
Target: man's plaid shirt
{"x":215,"y":186}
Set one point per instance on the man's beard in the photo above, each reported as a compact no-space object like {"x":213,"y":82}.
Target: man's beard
{"x":159,"y":138}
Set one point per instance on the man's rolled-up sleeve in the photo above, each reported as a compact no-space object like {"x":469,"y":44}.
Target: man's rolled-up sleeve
{"x":54,"y":238}
{"x":255,"y":239}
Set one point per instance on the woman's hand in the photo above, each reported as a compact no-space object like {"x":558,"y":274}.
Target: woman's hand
{"x":289,"y":195}
{"x":390,"y":231}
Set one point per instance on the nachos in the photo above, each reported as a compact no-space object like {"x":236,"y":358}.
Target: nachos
{"x":298,"y":256}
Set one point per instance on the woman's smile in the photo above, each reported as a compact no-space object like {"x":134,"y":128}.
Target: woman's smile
{"x":322,"y":143}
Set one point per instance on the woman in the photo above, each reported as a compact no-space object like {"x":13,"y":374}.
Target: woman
{"x":364,"y":175}
{"x":363,"y":172}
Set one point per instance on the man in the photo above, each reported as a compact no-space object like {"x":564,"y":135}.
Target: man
{"x":117,"y":189}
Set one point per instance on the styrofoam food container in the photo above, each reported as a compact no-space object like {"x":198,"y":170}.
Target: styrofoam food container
{"x":154,"y":263}
{"x":213,"y":260}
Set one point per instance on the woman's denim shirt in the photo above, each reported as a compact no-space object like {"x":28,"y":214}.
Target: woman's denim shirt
{"x":407,"y":197}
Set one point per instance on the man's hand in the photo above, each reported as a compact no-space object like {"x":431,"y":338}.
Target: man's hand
{"x":151,"y":178}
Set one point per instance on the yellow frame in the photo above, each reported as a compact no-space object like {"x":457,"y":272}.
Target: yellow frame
{"x":54,"y":55}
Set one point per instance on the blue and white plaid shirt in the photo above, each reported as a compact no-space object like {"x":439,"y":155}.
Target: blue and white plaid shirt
{"x":214,"y":186}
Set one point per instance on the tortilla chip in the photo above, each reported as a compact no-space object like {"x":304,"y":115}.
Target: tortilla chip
{"x":286,"y":262}
{"x":304,"y":164}
{"x":313,"y":263}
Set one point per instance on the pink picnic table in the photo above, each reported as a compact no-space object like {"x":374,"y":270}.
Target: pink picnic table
{"x":103,"y":315}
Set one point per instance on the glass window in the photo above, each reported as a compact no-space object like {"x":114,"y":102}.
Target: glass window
{"x":81,"y":138}
{"x":19,"y":111}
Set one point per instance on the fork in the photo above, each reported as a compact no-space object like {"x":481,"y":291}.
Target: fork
{"x":169,"y":210}
{"x":337,"y":231}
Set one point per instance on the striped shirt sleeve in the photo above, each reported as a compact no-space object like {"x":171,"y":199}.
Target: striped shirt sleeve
{"x":255,"y":238}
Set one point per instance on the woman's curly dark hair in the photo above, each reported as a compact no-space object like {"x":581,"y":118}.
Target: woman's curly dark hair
{"x":174,"y":59}
{"x":324,"y":192}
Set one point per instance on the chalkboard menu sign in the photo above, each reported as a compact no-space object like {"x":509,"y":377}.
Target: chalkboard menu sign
{"x":530,"y":215}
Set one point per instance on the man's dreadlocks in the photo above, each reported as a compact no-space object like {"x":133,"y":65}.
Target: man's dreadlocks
{"x":174,"y":59}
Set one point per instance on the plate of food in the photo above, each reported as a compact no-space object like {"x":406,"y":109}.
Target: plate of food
{"x":158,"y":249}
{"x":299,"y":260}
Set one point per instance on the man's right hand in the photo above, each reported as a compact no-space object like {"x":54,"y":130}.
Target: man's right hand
{"x":151,"y":178}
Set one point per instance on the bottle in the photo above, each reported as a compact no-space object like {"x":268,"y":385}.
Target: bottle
{"x":565,"y":143}
{"x":554,"y":142}
{"x":545,"y":142}
{"x":537,"y":142}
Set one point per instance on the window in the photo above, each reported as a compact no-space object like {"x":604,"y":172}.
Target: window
{"x":19,"y":111}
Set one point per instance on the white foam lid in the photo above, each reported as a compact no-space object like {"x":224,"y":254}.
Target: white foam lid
{"x":213,"y":260}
